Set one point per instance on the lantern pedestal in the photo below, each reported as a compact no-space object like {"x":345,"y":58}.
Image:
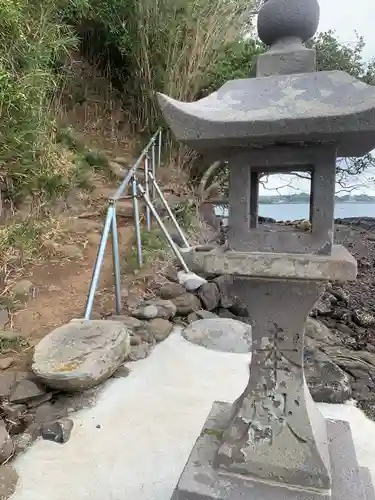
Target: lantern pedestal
{"x":200,"y":479}
{"x":273,"y":435}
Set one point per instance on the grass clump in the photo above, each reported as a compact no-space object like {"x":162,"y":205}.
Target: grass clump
{"x":24,"y":240}
{"x":34,"y":43}
{"x":11,"y":342}
{"x":154,"y":248}
{"x":186,"y":215}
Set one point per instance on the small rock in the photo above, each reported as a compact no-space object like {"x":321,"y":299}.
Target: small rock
{"x":187,"y":303}
{"x":170,"y":274}
{"x":320,"y":333}
{"x":326,"y":381}
{"x":340,"y":294}
{"x":124,"y":292}
{"x":48,"y":412}
{"x":204,"y":248}
{"x":22,"y":288}
{"x":6,"y":363}
{"x":202,"y":314}
{"x":304,"y":225}
{"x":238,"y":308}
{"x":139,"y":352}
{"x":135,"y":339}
{"x":219,"y":334}
{"x":13,"y":411}
{"x":146,"y":312}
{"x":8,"y":481}
{"x":160,"y":328}
{"x":190,"y":281}
{"x":58,"y":431}
{"x":81,"y":354}
{"x":6,"y":444}
{"x":129,"y":321}
{"x":25,"y":390}
{"x":6,"y":382}
{"x":363,"y":318}
{"x":54,"y":288}
{"x":225,"y":286}
{"x":209,"y":296}
{"x":39,"y":400}
{"x":22,"y":442}
{"x":121,"y":372}
{"x":171,"y":291}
{"x":146,"y":335}
{"x":165,"y":308}
{"x":324,"y":305}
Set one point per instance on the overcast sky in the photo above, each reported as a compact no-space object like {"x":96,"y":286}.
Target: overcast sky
{"x":345,"y":17}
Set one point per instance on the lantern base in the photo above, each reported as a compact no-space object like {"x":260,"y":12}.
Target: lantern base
{"x":200,"y":480}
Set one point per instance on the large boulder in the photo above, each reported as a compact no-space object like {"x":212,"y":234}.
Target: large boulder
{"x":326,"y":381}
{"x":220,"y":334}
{"x":81,"y":354}
{"x":209,"y":295}
{"x":322,"y":335}
{"x":186,"y":304}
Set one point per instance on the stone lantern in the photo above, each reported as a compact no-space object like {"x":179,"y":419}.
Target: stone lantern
{"x":273,"y":443}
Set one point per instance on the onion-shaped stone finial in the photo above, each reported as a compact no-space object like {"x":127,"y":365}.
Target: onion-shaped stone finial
{"x":280,"y":19}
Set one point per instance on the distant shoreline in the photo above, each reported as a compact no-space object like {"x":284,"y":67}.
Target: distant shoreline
{"x":301,"y":202}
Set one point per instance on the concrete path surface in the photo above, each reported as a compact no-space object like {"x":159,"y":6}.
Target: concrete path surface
{"x":134,"y":443}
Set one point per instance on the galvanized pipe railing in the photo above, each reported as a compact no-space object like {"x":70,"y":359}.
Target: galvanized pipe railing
{"x":150,"y":162}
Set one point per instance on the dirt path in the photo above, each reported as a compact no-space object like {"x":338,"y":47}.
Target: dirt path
{"x":61,"y":282}
{"x":62,"y":290}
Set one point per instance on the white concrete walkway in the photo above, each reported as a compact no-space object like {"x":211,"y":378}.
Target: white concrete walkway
{"x":148,"y":424}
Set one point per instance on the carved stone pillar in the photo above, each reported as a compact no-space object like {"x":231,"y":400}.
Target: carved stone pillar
{"x":276,"y":433}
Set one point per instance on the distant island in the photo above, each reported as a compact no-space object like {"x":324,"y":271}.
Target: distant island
{"x":305,"y":198}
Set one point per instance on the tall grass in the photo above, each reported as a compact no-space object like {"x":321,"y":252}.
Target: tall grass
{"x":32,"y":46}
{"x":178,"y":44}
{"x":160,"y":46}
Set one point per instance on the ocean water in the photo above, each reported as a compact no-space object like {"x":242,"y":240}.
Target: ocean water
{"x":293,"y":211}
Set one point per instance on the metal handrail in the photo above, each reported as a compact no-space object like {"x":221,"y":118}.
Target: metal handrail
{"x":110,"y":223}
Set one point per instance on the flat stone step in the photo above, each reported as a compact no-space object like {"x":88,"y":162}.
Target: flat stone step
{"x":200,"y":481}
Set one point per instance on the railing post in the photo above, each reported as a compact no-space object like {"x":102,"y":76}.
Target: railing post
{"x":99,"y":262}
{"x":148,"y":212}
{"x":137,"y":222}
{"x":159,"y":147}
{"x":116,"y":262}
{"x":153,"y":169}
{"x":163,"y":228}
{"x":168,"y":209}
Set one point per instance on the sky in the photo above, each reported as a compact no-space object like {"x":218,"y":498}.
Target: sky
{"x":345,"y":17}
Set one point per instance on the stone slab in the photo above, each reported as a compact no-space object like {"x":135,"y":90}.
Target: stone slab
{"x":201,"y":481}
{"x":339,"y":266}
